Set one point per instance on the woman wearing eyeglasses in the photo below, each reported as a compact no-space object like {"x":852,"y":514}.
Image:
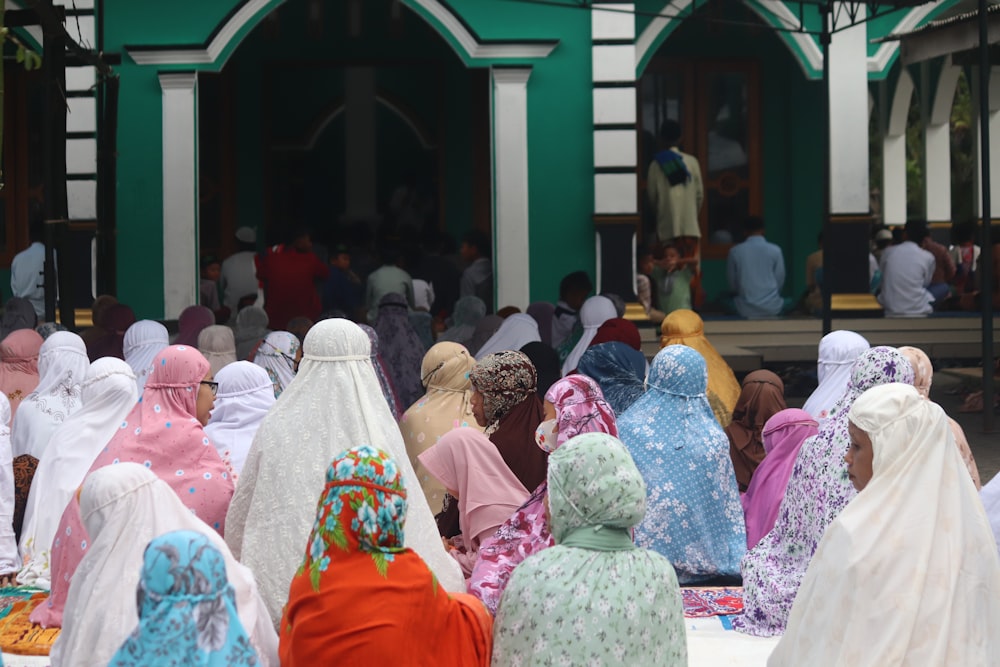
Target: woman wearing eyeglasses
{"x":165,"y":433}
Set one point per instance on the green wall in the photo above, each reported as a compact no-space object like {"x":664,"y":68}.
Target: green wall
{"x":559,"y":117}
{"x":791,"y":143}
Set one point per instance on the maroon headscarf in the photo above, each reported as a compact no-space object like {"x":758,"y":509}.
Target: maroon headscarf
{"x":618,"y":330}
{"x":192,"y":320}
{"x":117,"y":319}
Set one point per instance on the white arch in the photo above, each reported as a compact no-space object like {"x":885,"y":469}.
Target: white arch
{"x":466,"y":43}
{"x":894,"y":152}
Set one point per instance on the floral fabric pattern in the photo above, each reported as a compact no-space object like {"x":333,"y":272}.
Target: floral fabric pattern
{"x":401,"y":347}
{"x":360,"y":596}
{"x":594,"y":598}
{"x":362,"y":509}
{"x":817,"y":492}
{"x":187,"y":609}
{"x":504,"y":379}
{"x":694,"y":516}
{"x":580,"y":408}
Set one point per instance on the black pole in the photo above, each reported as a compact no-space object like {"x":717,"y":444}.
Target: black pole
{"x":54,"y":145}
{"x":986,"y":256}
{"x":824,"y":39}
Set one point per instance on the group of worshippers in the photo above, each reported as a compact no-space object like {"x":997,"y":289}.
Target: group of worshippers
{"x":188,"y":506}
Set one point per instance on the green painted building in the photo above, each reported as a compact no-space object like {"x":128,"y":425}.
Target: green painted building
{"x":531,"y":120}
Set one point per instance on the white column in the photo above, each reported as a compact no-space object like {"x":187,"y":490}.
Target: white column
{"x":180,"y":192}
{"x":510,"y":186}
{"x":937,"y":143}
{"x":359,"y":120}
{"x":894,"y":153}
{"x":994,"y":121}
{"x":849,"y":189}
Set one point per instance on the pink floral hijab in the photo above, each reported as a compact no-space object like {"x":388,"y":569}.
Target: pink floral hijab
{"x":580,"y":408}
{"x":163,"y":434}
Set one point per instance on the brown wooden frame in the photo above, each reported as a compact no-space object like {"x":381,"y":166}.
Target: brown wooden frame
{"x":694,"y":138}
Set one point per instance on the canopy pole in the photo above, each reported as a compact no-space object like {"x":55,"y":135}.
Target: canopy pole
{"x":824,"y":39}
{"x":986,"y":255}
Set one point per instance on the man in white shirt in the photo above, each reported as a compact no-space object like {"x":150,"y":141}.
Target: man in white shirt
{"x":907,"y":270}
{"x":238,"y":277}
{"x":27,"y":272}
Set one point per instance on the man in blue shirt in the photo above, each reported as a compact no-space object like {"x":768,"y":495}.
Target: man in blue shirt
{"x":756,"y":272}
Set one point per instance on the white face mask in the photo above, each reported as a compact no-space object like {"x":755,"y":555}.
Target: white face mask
{"x":546,"y":434}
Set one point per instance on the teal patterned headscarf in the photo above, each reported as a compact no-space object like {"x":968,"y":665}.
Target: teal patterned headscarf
{"x":187,"y":609}
{"x":595,"y":493}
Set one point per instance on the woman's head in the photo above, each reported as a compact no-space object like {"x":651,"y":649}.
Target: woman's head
{"x":886,"y":424}
{"x":105,"y":488}
{"x":21,"y":345}
{"x":179,"y":375}
{"x":447,"y":366}
{"x":500,"y":382}
{"x":574,"y":405}
{"x":923,"y":370}
{"x":680,"y":324}
{"x":363,"y":506}
{"x":182,"y":569}
{"x":680,"y":371}
{"x":878,"y":366}
{"x":593,"y":483}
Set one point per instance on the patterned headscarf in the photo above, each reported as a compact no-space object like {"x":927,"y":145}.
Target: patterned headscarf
{"x":276,"y":355}
{"x":580,"y":408}
{"x":187,"y":609}
{"x":619,"y":370}
{"x":362,"y":508}
{"x":388,"y":390}
{"x":817,"y":491}
{"x":401,"y":347}
{"x":504,"y":379}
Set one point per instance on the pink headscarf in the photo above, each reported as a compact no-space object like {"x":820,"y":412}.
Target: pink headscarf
{"x":192,"y":320}
{"x":465,"y":460}
{"x":783,"y":435}
{"x":162,"y":433}
{"x":580,"y":408}
{"x":19,"y":365}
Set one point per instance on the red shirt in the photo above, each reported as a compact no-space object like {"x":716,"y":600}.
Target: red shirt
{"x":289,"y":278}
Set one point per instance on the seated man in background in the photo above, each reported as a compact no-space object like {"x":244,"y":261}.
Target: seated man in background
{"x":907,"y":270}
{"x":756,"y":272}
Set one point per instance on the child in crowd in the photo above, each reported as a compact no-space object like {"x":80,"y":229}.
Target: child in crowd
{"x":573,"y":291}
{"x":211,"y":271}
{"x":672,"y":277}
{"x":965,"y":254}
{"x":645,"y":289}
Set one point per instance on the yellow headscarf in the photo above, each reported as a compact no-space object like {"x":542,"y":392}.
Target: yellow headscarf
{"x":685,"y":327}
{"x":445,"y":376}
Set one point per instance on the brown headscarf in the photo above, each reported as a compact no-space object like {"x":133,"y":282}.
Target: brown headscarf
{"x":762,"y":397}
{"x":507,"y":382}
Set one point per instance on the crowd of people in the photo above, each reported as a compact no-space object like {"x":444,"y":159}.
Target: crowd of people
{"x":509,"y":488}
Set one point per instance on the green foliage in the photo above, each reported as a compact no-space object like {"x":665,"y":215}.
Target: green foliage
{"x":963,"y":155}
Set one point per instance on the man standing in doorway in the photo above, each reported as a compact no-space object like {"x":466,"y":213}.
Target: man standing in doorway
{"x":676,"y":193}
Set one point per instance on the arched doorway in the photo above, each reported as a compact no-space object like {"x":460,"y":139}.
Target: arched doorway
{"x":339,"y":114}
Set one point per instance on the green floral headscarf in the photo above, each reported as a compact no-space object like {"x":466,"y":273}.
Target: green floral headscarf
{"x":595,"y":493}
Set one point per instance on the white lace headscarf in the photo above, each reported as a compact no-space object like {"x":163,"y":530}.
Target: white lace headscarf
{"x":334,"y":404}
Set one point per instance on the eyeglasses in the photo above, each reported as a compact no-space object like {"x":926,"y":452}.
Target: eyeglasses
{"x":214,"y":386}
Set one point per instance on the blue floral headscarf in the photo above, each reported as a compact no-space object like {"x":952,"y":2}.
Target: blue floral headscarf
{"x":362,"y":509}
{"x":187,"y":609}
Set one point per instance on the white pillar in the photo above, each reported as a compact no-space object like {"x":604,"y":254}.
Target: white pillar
{"x":510,"y":186}
{"x":994,"y":121}
{"x":937,"y":142}
{"x":180,"y":192}
{"x":360,"y":154}
{"x":849,"y":189}
{"x":894,"y":153}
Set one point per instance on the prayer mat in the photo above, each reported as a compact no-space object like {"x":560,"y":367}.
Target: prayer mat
{"x":18,"y":635}
{"x":713,"y":601}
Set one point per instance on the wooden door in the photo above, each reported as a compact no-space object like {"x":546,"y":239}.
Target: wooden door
{"x":717,"y":104}
{"x":21,"y":198}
